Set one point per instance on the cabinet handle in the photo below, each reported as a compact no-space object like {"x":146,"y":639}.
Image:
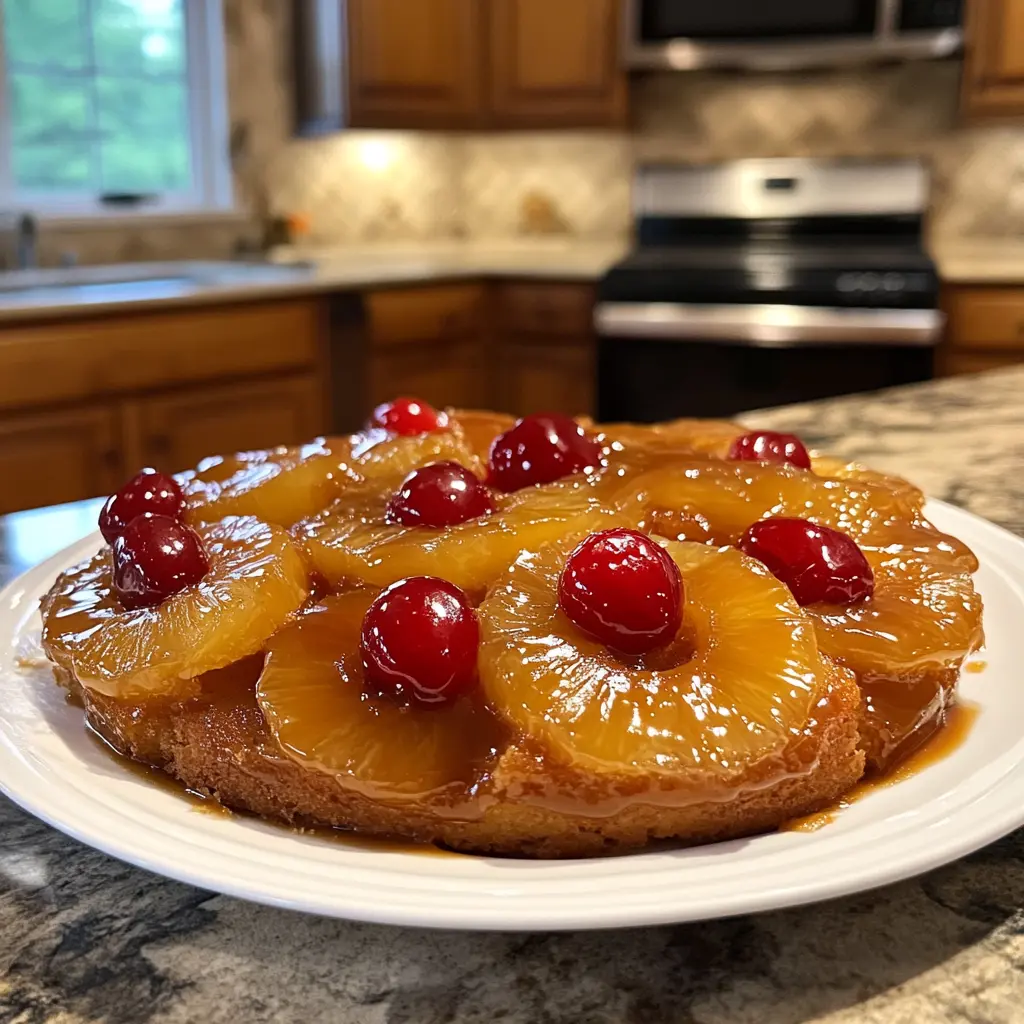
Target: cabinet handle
{"x":111,"y":458}
{"x":159,"y":443}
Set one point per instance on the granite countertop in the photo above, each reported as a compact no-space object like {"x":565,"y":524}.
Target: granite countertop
{"x":88,"y":939}
{"x":301,"y":271}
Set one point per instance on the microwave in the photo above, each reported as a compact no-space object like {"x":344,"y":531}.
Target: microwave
{"x":786,"y":34}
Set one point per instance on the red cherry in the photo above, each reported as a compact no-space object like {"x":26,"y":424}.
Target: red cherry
{"x":441,"y":494}
{"x":770,"y":446}
{"x":419,"y":641}
{"x":538,"y":449}
{"x":817,"y":563}
{"x":623,"y":589}
{"x":155,"y":557}
{"x":147,"y":491}
{"x":408,"y":416}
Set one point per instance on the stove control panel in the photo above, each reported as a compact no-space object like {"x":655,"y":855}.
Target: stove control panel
{"x":880,"y":286}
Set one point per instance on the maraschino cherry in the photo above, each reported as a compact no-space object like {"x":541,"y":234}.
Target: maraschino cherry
{"x":147,"y":491}
{"x":419,"y":641}
{"x":155,"y":557}
{"x":439,"y":495}
{"x":538,"y":449}
{"x":407,"y":417}
{"x":771,"y":446}
{"x":623,"y":588}
{"x":817,"y":563}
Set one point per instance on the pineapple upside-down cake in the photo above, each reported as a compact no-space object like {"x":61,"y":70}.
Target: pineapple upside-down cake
{"x":540,"y":637}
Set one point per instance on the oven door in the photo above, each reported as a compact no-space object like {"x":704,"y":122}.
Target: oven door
{"x":662,"y":361}
{"x":783,"y":34}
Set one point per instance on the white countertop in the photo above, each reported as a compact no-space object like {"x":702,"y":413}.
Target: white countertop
{"x":340,"y":268}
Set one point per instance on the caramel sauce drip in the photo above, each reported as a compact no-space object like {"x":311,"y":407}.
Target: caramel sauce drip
{"x":949,"y":735}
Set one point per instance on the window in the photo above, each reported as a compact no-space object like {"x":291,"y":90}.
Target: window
{"x":103,"y":99}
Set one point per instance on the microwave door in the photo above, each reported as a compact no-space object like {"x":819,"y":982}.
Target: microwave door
{"x":779,"y":35}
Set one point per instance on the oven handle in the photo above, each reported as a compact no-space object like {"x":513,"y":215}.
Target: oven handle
{"x":768,"y":326}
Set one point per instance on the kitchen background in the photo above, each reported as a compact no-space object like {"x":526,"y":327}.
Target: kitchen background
{"x":366,"y":187}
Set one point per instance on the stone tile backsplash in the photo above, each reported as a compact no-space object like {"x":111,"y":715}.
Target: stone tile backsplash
{"x":398,"y":186}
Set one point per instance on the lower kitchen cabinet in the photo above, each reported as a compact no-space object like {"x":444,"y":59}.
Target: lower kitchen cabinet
{"x":548,"y":376}
{"x":174,"y":431}
{"x":548,"y":349}
{"x":50,"y":458}
{"x":985,"y":328}
{"x":87,"y":401}
{"x":443,"y":373}
{"x":430,"y":343}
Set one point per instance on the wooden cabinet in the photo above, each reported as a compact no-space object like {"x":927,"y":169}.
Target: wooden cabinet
{"x":985,"y":328}
{"x":548,"y":349}
{"x":86,"y":402}
{"x":415,"y":65}
{"x":429,"y":343}
{"x":51,"y":458}
{"x":993,"y":83}
{"x":173,"y":432}
{"x":556,"y":64}
{"x":485,"y":63}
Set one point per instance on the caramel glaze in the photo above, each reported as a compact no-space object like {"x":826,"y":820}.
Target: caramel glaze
{"x":953,"y":728}
{"x":206,"y":804}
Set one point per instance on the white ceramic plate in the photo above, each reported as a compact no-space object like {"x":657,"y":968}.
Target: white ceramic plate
{"x":50,"y":767}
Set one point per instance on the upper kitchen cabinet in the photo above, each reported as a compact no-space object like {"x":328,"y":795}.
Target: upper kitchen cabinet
{"x":555,"y":64}
{"x":994,"y":64}
{"x":484,"y":63}
{"x":415,"y":65}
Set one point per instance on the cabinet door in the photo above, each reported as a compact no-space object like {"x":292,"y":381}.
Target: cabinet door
{"x":556,"y":63}
{"x":994,"y":65}
{"x":442,"y":372}
{"x":415,"y":64}
{"x":51,"y":458}
{"x":175,"y":431}
{"x":551,"y":375}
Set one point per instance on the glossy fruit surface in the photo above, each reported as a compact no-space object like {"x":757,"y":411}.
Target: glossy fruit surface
{"x":622,"y":588}
{"x":147,"y":491}
{"x":408,"y":416}
{"x":744,"y":681}
{"x":439,"y":495}
{"x":155,"y":557}
{"x":352,"y":541}
{"x":770,"y":446}
{"x":277,"y":485}
{"x":419,"y":641}
{"x":817,"y":563}
{"x":257,"y":580}
{"x":539,"y":449}
{"x":318,"y":708}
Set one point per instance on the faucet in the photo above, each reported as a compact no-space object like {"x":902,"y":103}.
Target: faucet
{"x":26,"y":234}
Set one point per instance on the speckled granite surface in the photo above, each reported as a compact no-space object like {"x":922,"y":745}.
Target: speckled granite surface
{"x":84,"y":938}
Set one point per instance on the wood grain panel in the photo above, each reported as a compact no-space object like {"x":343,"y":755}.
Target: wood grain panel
{"x":71,"y":360}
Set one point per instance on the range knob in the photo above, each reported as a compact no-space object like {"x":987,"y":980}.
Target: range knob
{"x":894,"y":282}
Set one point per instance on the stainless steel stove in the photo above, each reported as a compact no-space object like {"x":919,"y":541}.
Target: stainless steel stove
{"x":764,"y":282}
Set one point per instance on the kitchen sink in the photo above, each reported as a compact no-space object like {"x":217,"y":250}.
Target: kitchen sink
{"x":127,"y":281}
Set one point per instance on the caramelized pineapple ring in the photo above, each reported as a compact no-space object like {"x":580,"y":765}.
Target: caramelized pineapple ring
{"x":748,"y":687}
{"x":924,"y":613}
{"x":311,"y":694}
{"x":479,"y":428}
{"x":373,"y":455}
{"x":632,"y":444}
{"x":351,"y":541}
{"x":279,"y":485}
{"x":256,"y":581}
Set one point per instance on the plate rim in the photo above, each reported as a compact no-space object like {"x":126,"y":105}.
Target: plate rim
{"x":1001,"y":817}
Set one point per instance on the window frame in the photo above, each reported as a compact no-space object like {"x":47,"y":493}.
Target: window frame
{"x":206,"y":85}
